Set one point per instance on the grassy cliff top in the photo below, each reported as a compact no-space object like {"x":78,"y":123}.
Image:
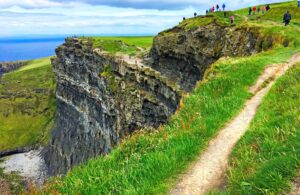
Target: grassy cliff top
{"x":274,"y":16}
{"x":131,"y":45}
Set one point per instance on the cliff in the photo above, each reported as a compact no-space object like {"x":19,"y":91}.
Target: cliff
{"x":102,"y":98}
{"x":6,"y":67}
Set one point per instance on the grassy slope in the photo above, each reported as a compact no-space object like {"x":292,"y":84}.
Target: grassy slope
{"x":127,"y":45}
{"x":151,"y":162}
{"x":27,"y":105}
{"x":267,"y":158}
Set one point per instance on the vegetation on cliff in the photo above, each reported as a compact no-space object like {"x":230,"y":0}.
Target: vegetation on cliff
{"x":27,"y":105}
{"x":124,"y":45}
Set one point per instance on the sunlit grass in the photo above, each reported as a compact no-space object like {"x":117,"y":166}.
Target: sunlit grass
{"x":267,"y":158}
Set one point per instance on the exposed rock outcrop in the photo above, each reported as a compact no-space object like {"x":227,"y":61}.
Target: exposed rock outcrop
{"x":101,"y":98}
{"x":6,"y":67}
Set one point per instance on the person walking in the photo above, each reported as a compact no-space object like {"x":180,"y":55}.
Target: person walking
{"x":254,"y":10}
{"x":258,"y":9}
{"x":250,"y":11}
{"x":232,"y":19}
{"x":287,"y":18}
{"x":213,"y":9}
{"x":268,"y":7}
{"x":223,"y":6}
{"x":195,"y":14}
{"x":217,"y":6}
{"x":263,"y":9}
{"x":206,"y":12}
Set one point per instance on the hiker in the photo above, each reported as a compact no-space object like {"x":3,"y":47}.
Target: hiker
{"x":183,"y":18}
{"x":250,"y":11}
{"x":298,"y":3}
{"x":217,"y":6}
{"x":268,"y":7}
{"x":254,"y":10}
{"x":287,"y":18}
{"x":195,"y":14}
{"x":258,"y":9}
{"x":263,"y":9}
{"x":213,"y":9}
{"x":223,"y":6}
{"x":206,"y":12}
{"x":231,"y":20}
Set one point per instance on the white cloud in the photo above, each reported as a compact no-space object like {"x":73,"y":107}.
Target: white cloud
{"x":46,"y":17}
{"x":29,"y":3}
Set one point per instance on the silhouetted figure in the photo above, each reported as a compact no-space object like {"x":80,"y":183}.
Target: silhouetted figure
{"x":183,"y":18}
{"x":217,"y":6}
{"x":250,"y":11}
{"x":254,"y":10}
{"x":258,"y":9}
{"x":268,"y":7}
{"x":223,"y":6}
{"x":231,"y":20}
{"x":263,"y":9}
{"x":287,"y":18}
{"x":206,"y":12}
{"x":195,"y":14}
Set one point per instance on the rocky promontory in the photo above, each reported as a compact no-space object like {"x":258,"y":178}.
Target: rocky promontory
{"x":102,"y":98}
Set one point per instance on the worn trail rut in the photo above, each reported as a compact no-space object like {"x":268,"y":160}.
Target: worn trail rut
{"x":210,"y":169}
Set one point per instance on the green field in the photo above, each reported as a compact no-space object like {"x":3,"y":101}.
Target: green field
{"x":123,"y":45}
{"x":27,"y":105}
{"x":151,"y":162}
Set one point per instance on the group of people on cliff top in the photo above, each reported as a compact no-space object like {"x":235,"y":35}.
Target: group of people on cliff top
{"x":256,"y":9}
{"x":216,"y":8}
{"x":252,"y":11}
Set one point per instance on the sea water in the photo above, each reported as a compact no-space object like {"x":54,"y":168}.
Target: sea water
{"x":13,"y":49}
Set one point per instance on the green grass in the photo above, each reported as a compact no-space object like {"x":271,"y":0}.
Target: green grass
{"x":267,"y":158}
{"x":27,"y":105}
{"x":150,"y":162}
{"x":42,"y":62}
{"x":125,"y":45}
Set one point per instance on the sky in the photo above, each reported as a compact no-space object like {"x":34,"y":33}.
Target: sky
{"x":101,"y":17}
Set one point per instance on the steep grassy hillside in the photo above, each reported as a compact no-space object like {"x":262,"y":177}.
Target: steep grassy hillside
{"x":267,"y":159}
{"x":150,"y":162}
{"x":27,"y":105}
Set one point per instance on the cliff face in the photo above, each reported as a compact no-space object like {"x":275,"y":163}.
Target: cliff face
{"x":185,"y":55}
{"x":102,"y":98}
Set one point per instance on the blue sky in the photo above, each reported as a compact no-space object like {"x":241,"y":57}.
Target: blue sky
{"x":67,"y":17}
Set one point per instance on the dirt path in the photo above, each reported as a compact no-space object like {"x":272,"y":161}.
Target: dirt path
{"x":210,"y":170}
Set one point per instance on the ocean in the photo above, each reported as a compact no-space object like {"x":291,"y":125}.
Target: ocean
{"x":13,"y":49}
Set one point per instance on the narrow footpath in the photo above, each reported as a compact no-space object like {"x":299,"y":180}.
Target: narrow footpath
{"x":210,"y":170}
